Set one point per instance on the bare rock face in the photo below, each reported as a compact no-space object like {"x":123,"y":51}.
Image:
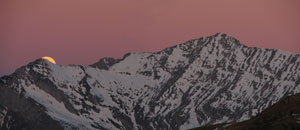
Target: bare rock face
{"x":209,"y":80}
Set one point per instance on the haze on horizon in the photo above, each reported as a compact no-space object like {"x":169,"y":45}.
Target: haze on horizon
{"x":83,"y":31}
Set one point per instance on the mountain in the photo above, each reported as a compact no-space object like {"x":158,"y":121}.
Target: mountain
{"x":209,"y":80}
{"x":284,"y":115}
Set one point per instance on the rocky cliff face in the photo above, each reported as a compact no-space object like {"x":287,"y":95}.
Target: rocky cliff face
{"x":209,"y":80}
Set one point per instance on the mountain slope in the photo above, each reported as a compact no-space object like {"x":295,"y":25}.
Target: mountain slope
{"x":284,"y":115}
{"x":209,"y":80}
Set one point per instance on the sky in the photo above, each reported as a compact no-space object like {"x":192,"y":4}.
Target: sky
{"x":84,"y":31}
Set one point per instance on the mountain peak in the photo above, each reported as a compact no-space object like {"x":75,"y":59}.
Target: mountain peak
{"x":40,"y":61}
{"x":226,"y":37}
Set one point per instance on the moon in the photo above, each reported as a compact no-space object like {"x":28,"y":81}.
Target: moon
{"x":49,"y":59}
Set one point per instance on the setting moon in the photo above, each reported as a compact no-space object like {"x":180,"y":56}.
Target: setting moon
{"x":49,"y":59}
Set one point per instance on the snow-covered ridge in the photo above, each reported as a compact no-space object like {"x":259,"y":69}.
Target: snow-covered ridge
{"x":209,"y":80}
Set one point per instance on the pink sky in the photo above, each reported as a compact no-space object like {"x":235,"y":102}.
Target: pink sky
{"x":83,"y":31}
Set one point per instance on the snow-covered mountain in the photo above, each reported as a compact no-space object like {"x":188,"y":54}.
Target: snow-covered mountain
{"x":209,"y":80}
